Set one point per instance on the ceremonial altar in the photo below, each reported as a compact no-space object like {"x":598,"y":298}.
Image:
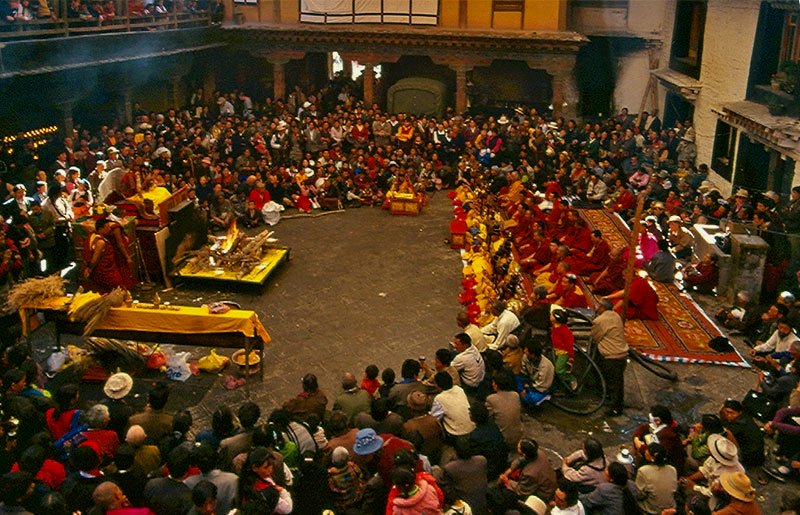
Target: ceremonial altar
{"x":405,"y":204}
{"x":257,"y":276}
{"x":180,"y":325}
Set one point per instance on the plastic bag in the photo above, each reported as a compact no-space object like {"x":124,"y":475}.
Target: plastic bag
{"x":213,"y":362}
{"x":177,"y":367}
{"x":57,"y":360}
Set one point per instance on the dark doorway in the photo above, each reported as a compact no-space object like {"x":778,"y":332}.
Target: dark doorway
{"x":506,"y":84}
{"x":677,"y":108}
{"x":594,"y":74}
{"x":724,"y":149}
{"x":752,"y":165}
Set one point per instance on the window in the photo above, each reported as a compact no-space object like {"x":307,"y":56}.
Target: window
{"x":724,"y":147}
{"x":790,"y":44}
{"x":687,"y":37}
{"x":409,"y":12}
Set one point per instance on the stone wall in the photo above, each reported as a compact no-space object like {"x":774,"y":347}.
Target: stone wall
{"x":727,"y":50}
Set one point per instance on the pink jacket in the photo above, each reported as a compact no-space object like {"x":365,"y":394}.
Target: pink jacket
{"x":424,"y":502}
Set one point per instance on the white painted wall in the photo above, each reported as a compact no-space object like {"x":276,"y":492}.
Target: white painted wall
{"x":632,"y":74}
{"x":648,"y":16}
{"x":654,"y":20}
{"x":727,"y":50}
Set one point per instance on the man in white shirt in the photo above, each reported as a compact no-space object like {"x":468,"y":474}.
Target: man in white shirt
{"x":468,"y":362}
{"x":780,"y":341}
{"x":451,"y":407}
{"x":474,"y":332}
{"x":504,"y":323}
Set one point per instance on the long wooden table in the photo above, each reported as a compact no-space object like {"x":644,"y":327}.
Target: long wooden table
{"x":179,"y":325}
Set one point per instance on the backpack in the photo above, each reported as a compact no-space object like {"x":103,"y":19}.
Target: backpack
{"x":72,"y":438}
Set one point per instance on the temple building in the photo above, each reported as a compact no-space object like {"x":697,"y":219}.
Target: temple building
{"x":729,"y":67}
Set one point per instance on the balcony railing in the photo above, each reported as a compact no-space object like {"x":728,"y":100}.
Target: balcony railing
{"x":62,"y":27}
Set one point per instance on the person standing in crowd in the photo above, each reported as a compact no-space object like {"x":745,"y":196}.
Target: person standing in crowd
{"x":608,"y":332}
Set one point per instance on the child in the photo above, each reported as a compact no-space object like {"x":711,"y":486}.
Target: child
{"x":251,"y":217}
{"x":345,"y":479}
{"x":387,"y":378}
{"x":564,"y":347}
{"x":370,"y":381}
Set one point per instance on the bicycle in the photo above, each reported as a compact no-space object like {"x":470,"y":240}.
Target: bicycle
{"x":584,"y":317}
{"x":589,"y":393}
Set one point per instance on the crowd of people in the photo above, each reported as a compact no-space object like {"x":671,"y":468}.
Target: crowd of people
{"x":19,"y":13}
{"x":441,"y":438}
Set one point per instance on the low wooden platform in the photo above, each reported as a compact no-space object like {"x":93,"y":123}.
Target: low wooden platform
{"x":257,"y":277}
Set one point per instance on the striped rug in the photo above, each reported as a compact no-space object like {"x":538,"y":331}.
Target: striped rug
{"x":682,"y":332}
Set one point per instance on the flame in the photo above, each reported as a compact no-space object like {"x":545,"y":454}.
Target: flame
{"x":230,"y":238}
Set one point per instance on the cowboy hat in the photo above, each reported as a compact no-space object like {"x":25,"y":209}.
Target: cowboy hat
{"x":738,"y":485}
{"x":675,"y":218}
{"x":741,"y":192}
{"x":723,"y":450}
{"x":118,"y":385}
{"x":503,"y":120}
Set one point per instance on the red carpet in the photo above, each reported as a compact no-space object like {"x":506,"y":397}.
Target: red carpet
{"x":683,"y":330}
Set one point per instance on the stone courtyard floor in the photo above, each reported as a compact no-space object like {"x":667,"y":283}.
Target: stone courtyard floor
{"x":365,"y":287}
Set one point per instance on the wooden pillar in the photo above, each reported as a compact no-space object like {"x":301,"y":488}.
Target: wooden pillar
{"x":369,"y":84}
{"x":462,"y":13}
{"x":347,"y":67}
{"x":276,"y":11}
{"x":69,"y":123}
{"x":278,"y":78}
{"x":177,"y":92}
{"x":127,"y":106}
{"x":461,"y":87}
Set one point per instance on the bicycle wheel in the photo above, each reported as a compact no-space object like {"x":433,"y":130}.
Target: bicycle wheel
{"x":590,"y":393}
{"x":652,"y":366}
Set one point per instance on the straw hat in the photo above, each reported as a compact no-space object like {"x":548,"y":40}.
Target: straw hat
{"x":741,"y":192}
{"x":118,"y":385}
{"x":738,"y":485}
{"x":537,"y":505}
{"x":723,"y":450}
{"x":675,"y":218}
{"x":417,"y":401}
{"x":503,"y":120}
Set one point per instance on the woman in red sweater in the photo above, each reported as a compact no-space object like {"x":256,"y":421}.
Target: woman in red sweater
{"x":563,"y":346}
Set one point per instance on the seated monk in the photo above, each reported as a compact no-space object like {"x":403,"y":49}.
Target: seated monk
{"x":538,"y":253}
{"x":542,"y":274}
{"x":514,"y":195}
{"x":611,"y":278}
{"x":593,"y":261}
{"x":642,"y":299}
{"x":578,"y":236}
{"x":703,"y":276}
{"x":553,"y":280}
{"x":625,"y":201}
{"x":154,"y":193}
{"x":571,"y":295}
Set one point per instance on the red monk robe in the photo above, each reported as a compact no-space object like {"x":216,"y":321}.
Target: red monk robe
{"x":643,"y":300}
{"x":593,"y":261}
{"x":612,"y":277}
